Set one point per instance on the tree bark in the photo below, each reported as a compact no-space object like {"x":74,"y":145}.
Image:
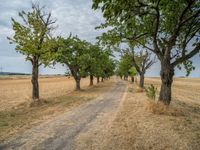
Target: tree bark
{"x":132,"y":79}
{"x":101,"y":79}
{"x":78,"y":87}
{"x":34,"y":80}
{"x":97,"y":79}
{"x":77,"y":78}
{"x":91,"y":80}
{"x":142,"y":80}
{"x":167,"y":73}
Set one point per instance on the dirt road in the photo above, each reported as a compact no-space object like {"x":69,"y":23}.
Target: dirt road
{"x":62,"y":131}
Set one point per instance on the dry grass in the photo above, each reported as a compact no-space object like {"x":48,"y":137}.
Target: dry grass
{"x":139,"y":90}
{"x":161,"y":109}
{"x":24,"y":116}
{"x":141,"y":124}
{"x":184,"y":89}
{"x":16,"y":91}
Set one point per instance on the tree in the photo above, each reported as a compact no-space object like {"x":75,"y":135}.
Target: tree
{"x":72,"y":52}
{"x":107,"y":64}
{"x":132,"y":72}
{"x":109,"y":68}
{"x":124,"y":66}
{"x":141,"y":61}
{"x":33,"y":39}
{"x":169,"y":29}
{"x":104,"y":65}
{"x":92,"y":61}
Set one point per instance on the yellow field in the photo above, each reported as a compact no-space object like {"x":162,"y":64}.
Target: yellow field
{"x":14,"y":92}
{"x":184,"y":89}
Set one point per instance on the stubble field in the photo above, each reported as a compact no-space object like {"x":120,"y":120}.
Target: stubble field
{"x":16,"y":91}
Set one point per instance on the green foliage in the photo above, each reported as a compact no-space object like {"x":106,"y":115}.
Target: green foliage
{"x":188,"y":65}
{"x":97,"y":62}
{"x":132,"y":71}
{"x":151,"y":92}
{"x":32,"y":34}
{"x":159,"y":26}
{"x":72,"y":52}
{"x":124,"y":66}
{"x":83,"y":58}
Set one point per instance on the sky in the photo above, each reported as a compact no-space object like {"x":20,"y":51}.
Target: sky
{"x":73,"y":16}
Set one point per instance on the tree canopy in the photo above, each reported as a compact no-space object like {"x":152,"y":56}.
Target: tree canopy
{"x":169,"y":29}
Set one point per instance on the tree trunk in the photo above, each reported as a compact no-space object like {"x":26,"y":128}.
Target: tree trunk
{"x":97,"y":79}
{"x":77,"y":78}
{"x":91,"y":80}
{"x":132,"y":79}
{"x":167,"y":73}
{"x":34,"y":80}
{"x":78,"y":87}
{"x":142,"y":80}
{"x":101,"y":79}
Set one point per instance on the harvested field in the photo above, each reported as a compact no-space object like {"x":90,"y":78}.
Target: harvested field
{"x":184,"y":89}
{"x":16,"y":91}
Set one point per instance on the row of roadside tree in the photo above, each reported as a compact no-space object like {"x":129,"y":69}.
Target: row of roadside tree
{"x":33,"y":37}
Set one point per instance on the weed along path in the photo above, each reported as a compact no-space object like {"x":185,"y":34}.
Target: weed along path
{"x":62,"y":131}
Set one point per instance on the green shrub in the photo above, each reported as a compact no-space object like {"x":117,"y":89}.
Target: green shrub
{"x":151,"y":92}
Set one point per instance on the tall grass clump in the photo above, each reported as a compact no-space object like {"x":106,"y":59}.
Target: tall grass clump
{"x":151,"y":92}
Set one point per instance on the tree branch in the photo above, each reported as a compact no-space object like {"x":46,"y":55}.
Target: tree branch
{"x":186,"y":57}
{"x":155,"y":32}
{"x":172,"y":39}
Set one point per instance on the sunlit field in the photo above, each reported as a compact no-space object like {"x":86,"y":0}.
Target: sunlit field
{"x":17,"y":90}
